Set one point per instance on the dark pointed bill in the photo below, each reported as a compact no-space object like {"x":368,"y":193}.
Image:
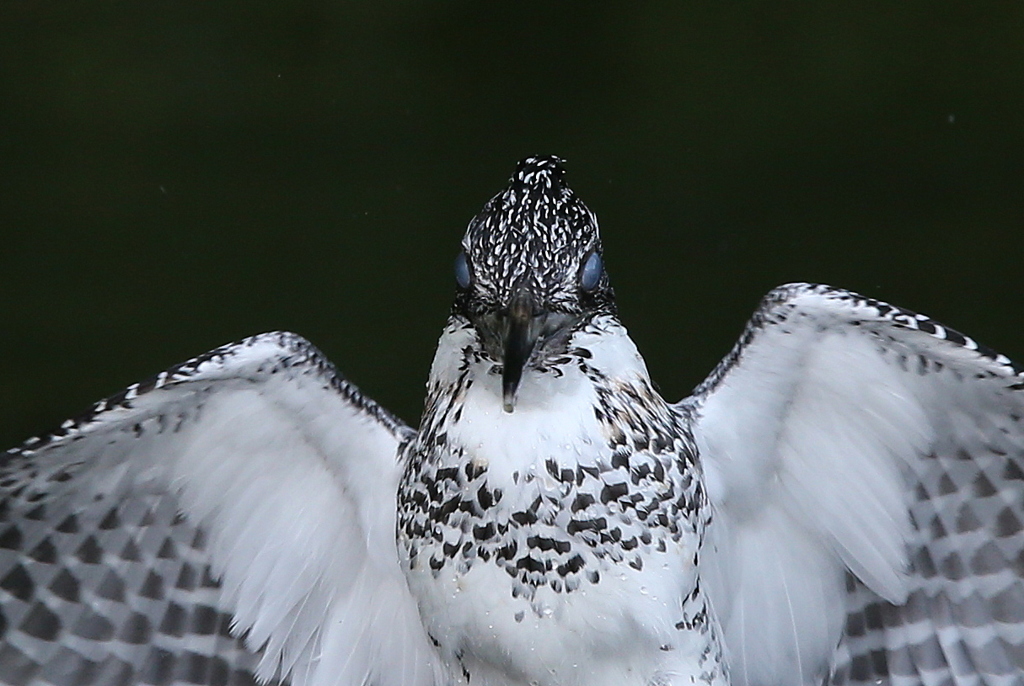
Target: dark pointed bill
{"x":520,"y":338}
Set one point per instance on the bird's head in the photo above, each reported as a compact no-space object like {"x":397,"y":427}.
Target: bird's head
{"x":531,"y":271}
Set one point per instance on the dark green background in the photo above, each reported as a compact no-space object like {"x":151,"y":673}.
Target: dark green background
{"x":175,"y":175}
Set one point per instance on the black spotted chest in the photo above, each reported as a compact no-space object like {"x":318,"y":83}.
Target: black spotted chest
{"x":557,"y":526}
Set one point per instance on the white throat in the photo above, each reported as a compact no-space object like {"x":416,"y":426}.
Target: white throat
{"x":554,"y":406}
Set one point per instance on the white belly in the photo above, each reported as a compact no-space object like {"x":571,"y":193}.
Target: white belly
{"x":611,"y":632}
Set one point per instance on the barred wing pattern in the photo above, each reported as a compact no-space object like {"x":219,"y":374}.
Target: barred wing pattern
{"x":248,"y":492}
{"x":866,"y":465}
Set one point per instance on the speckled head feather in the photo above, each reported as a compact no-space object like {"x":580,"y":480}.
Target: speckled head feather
{"x":536,"y":235}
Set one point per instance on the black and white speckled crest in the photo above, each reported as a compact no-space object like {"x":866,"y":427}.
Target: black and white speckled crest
{"x":535,"y":235}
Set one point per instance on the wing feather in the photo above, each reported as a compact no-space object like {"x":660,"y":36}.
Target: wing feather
{"x":250,"y":493}
{"x":872,"y":460}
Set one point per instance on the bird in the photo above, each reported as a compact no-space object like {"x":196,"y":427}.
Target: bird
{"x":840,"y":501}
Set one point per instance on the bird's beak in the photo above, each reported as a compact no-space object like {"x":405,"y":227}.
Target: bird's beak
{"x":520,"y":338}
{"x":523,"y":330}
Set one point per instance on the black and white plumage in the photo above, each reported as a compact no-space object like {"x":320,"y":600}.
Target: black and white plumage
{"x":840,"y":501}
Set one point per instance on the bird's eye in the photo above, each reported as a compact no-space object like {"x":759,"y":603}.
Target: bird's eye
{"x":462,"y":270}
{"x":591,"y":274}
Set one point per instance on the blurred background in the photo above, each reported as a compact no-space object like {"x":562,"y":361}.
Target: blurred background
{"x":175,"y":175}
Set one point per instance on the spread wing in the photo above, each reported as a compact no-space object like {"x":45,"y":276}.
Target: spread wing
{"x":866,"y":469}
{"x":234,"y":514}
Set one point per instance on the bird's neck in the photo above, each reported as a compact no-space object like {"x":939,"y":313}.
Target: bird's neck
{"x":561,"y":407}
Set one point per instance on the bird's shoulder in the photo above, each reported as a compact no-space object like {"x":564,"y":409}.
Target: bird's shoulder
{"x":816,"y":310}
